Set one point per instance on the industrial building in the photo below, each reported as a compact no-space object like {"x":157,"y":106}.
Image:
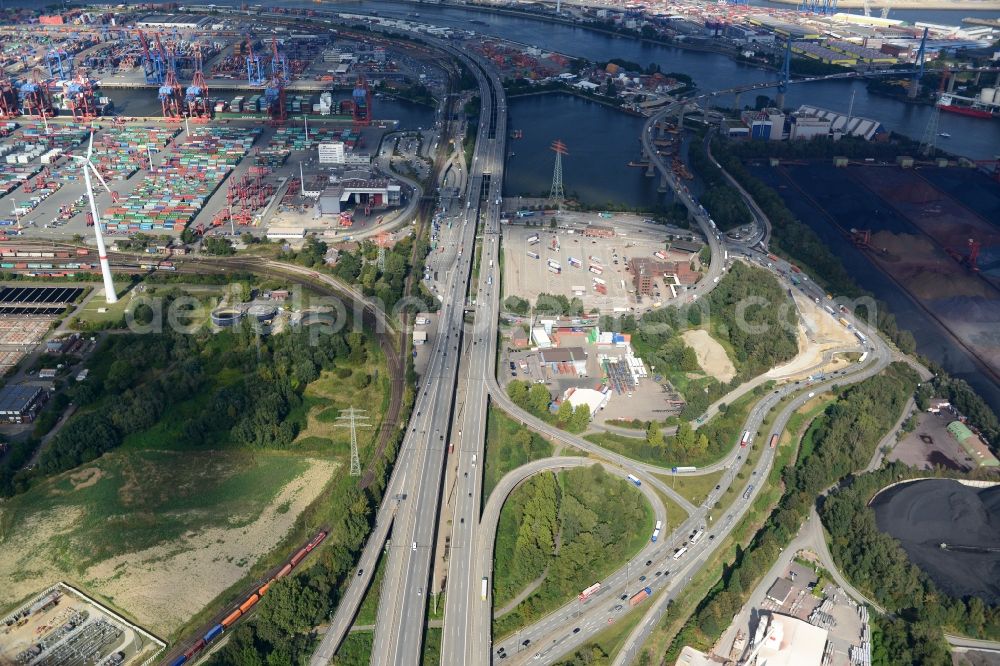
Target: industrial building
{"x":564,"y":358}
{"x":646,"y":270}
{"x":766,"y":124}
{"x":973,"y":445}
{"x":171,"y":21}
{"x":789,"y":641}
{"x":20,"y":403}
{"x":374,"y":193}
{"x":594,"y":400}
{"x":842,"y":124}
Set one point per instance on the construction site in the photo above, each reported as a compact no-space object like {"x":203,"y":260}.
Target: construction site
{"x":294,"y":150}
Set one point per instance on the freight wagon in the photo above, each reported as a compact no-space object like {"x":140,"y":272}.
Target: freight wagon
{"x":247,"y":605}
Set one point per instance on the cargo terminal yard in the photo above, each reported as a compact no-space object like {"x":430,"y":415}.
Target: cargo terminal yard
{"x":593,"y":258}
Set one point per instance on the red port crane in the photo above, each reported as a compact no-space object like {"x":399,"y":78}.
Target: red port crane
{"x":8,"y":97}
{"x":170,"y":92}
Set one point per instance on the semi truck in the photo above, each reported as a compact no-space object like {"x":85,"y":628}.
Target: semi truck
{"x":656,"y":531}
{"x":589,"y":592}
{"x":774,"y":440}
{"x":745,"y":441}
{"x":640,"y":596}
{"x":634,"y":479}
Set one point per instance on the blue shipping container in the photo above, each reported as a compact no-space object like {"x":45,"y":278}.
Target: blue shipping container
{"x":212,"y":633}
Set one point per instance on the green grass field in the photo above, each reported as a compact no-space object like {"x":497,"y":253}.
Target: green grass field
{"x":368,"y":611}
{"x":694,"y":489}
{"x":675,"y":513}
{"x":131,"y":500}
{"x":508,"y":446}
{"x":432,"y":647}
{"x":356,"y":650}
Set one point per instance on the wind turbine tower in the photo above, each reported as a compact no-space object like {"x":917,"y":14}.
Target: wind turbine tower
{"x":102,"y":254}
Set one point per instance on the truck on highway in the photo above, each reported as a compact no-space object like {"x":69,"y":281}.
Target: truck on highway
{"x":634,"y":479}
{"x":774,"y":440}
{"x":844,"y":322}
{"x":656,"y":531}
{"x":863,"y":358}
{"x":589,"y":592}
{"x":484,"y":589}
{"x":745,"y":440}
{"x":640,"y":596}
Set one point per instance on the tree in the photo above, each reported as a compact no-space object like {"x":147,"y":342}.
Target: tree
{"x":539,"y":398}
{"x":654,"y":436}
{"x":218,"y":246}
{"x":565,"y":413}
{"x":581,"y":418}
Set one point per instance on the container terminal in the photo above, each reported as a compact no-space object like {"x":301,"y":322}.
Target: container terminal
{"x":244,"y":128}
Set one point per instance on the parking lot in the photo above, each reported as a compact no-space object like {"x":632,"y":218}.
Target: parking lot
{"x":585,"y":264}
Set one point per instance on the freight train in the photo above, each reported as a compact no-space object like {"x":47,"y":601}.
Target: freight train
{"x":247,"y":604}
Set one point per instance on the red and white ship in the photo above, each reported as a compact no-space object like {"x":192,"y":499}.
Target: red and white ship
{"x":947,"y":103}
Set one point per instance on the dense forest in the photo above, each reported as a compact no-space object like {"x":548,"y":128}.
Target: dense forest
{"x":247,"y":387}
{"x":361,"y":268}
{"x":723,"y":201}
{"x":878,"y":565}
{"x":846,"y":440}
{"x":598,"y":521}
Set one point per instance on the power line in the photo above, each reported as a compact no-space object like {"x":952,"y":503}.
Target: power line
{"x":353,"y":419}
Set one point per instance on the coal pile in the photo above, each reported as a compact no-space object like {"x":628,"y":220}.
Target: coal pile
{"x":924,"y":514}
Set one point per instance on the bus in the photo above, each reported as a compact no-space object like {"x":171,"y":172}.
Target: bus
{"x":656,"y":531}
{"x":485,"y":588}
{"x":589,"y":592}
{"x":680,"y":553}
{"x":864,"y":357}
{"x":774,"y":440}
{"x":745,"y":441}
{"x":634,"y":479}
{"x":697,"y":535}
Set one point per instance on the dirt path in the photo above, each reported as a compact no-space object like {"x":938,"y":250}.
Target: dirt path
{"x":711,"y":355}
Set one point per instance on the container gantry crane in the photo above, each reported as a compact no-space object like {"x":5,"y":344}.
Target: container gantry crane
{"x":35,"y":98}
{"x":152,"y":64}
{"x":199,"y":105}
{"x":170,"y":93}
{"x":8,"y":97}
{"x":79,"y":96}
{"x":255,"y":75}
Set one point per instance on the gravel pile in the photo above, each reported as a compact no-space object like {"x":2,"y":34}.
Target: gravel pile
{"x":925,"y":514}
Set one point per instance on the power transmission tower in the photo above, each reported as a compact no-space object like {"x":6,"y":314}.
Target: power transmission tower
{"x":557,"y":193}
{"x":353,"y":419}
{"x":927,"y":144}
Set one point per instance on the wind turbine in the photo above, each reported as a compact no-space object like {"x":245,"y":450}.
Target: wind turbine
{"x":102,"y":254}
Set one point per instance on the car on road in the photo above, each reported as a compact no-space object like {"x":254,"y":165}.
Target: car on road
{"x":642,"y":578}
{"x":413,"y":546}
{"x":648,"y":562}
{"x":576,"y":630}
{"x":618,"y":607}
{"x":361,"y":572}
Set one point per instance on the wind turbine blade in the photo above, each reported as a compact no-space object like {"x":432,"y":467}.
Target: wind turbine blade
{"x":99,"y":176}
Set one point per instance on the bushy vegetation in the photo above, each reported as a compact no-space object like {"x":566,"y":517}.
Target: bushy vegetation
{"x":879,"y":567}
{"x":557,"y":304}
{"x":361,"y":268}
{"x":247,"y":385}
{"x":218,"y":246}
{"x":845,"y":441}
{"x":508,"y":446}
{"x":723,"y":201}
{"x":600,"y":521}
{"x":535,"y":398}
{"x":516,"y":305}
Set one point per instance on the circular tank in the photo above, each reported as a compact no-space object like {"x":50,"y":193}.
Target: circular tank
{"x":262,"y":312}
{"x":226,"y":317}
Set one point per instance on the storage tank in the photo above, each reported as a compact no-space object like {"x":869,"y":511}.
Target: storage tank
{"x":226,"y":317}
{"x":262,"y":312}
{"x":987,"y":95}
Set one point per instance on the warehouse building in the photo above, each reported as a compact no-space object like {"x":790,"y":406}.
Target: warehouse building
{"x":973,"y":445}
{"x":841,"y":124}
{"x":559,"y":359}
{"x":645,"y":272}
{"x":20,"y":403}
{"x":375,"y":193}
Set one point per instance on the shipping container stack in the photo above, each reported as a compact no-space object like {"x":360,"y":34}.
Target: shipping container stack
{"x":169,"y":198}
